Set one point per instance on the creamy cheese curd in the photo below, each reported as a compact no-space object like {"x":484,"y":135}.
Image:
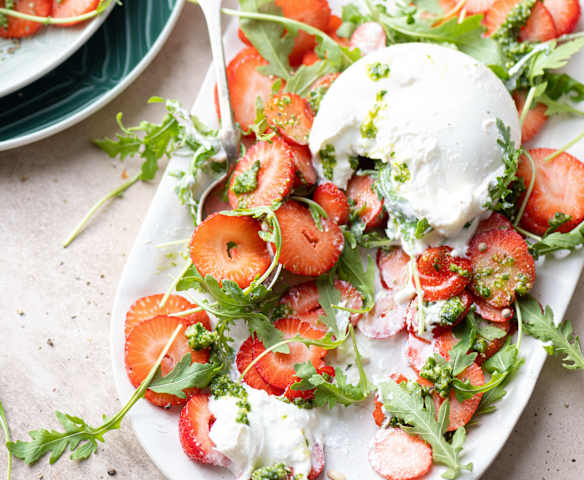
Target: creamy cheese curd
{"x":430,"y":112}
{"x":277,"y":432}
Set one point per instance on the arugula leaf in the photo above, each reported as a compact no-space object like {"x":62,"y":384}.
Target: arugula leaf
{"x":490,"y":332}
{"x":464,"y":390}
{"x":6,"y":433}
{"x":553,"y":57}
{"x":185,"y":375}
{"x":558,"y":241}
{"x":350,"y":269}
{"x":78,"y":436}
{"x":562,"y":84}
{"x":555,"y":107}
{"x":460,"y":359}
{"x":505,"y":361}
{"x":563,"y":341}
{"x":405,"y":401}
{"x":556,"y":222}
{"x":328,"y":295}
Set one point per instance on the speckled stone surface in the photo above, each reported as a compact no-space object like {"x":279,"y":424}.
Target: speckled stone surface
{"x":55,"y":303}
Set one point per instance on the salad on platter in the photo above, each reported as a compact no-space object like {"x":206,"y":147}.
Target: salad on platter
{"x":374,"y":247}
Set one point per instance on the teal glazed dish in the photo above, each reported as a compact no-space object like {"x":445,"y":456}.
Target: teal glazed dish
{"x":113,"y":58}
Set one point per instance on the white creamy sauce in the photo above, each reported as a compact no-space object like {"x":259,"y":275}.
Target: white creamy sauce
{"x":277,"y":432}
{"x":438,"y":118}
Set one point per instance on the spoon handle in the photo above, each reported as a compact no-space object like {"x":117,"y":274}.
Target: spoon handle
{"x":228,"y":133}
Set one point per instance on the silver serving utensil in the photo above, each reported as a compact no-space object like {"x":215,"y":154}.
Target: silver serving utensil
{"x":228,"y":134}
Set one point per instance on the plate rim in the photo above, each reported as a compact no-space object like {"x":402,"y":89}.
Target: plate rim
{"x":86,"y":34}
{"x":105,"y":98}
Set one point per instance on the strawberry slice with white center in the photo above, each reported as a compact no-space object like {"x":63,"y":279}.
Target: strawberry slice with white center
{"x":143,"y":347}
{"x":502,"y":266}
{"x":418,"y":351}
{"x":535,"y":118}
{"x":252,"y":377}
{"x":397,"y":455}
{"x":441,"y":275}
{"x":558,"y":188}
{"x":148,"y":307}
{"x":368,"y":37}
{"x":366,"y":201}
{"x":317,"y":460}
{"x":227,"y":247}
{"x":307,"y":250}
{"x":565,"y":13}
{"x":264,"y":175}
{"x":246,"y":83}
{"x":291,"y":115}
{"x":277,"y":369}
{"x":386,"y":319}
{"x":393,"y":268}
{"x":334,"y":202}
{"x":194,"y":425}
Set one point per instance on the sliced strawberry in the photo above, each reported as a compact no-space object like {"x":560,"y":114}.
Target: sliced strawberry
{"x":243,"y":38}
{"x":252,"y":378}
{"x":274,"y":179}
{"x":495,"y":221}
{"x":143,"y":346}
{"x":227,"y":247}
{"x":393,"y":268}
{"x":72,"y":8}
{"x":246,"y":83}
{"x":216,"y":200}
{"x":278,"y":368}
{"x":310,"y":58}
{"x":540,"y":26}
{"x":565,"y":13}
{"x":368,"y":37}
{"x":313,"y":318}
{"x":313,"y":12}
{"x":319,"y":88}
{"x":306,"y":175}
{"x":317,"y":459}
{"x":441,"y":275}
{"x":493,"y":346}
{"x":535,"y":118}
{"x":473,"y":7}
{"x":502,"y":266}
{"x":334,"y":202}
{"x":378,"y":413}
{"x":291,"y":115}
{"x":559,"y":187}
{"x":386,"y":319}
{"x":493,"y":314}
{"x":306,"y":250}
{"x":397,"y":455}
{"x":448,"y":5}
{"x":194,"y":425}
{"x":367,"y":203}
{"x":462,"y":412}
{"x":148,"y":307}
{"x":17,"y":27}
{"x":418,"y":351}
{"x":334,"y":23}
{"x":444,"y":343}
{"x":302,"y":299}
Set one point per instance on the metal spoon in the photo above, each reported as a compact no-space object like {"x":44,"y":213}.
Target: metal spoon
{"x":228,"y":134}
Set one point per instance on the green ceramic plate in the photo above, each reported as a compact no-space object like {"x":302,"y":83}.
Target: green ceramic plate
{"x":116,"y":54}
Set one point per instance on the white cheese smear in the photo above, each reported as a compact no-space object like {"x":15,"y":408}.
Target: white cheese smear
{"x":277,"y":432}
{"x":431,"y":112}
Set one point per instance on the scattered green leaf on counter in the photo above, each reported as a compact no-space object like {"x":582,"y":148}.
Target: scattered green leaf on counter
{"x":563,"y":342}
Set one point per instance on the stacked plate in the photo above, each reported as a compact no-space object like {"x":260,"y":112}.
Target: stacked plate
{"x":59,"y":77}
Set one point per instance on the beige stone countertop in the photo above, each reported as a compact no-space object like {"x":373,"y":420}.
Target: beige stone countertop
{"x":55,"y":303}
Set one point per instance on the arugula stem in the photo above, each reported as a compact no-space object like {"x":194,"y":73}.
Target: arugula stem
{"x":174,"y":283}
{"x":186,"y":312}
{"x":571,"y":143}
{"x":285,"y":21}
{"x":363,"y":381}
{"x":527,"y":105}
{"x":56,"y":21}
{"x":114,"y":193}
{"x":6,"y":431}
{"x":519,"y":324}
{"x":529,"y":189}
{"x":173,"y":243}
{"x":533,"y":236}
